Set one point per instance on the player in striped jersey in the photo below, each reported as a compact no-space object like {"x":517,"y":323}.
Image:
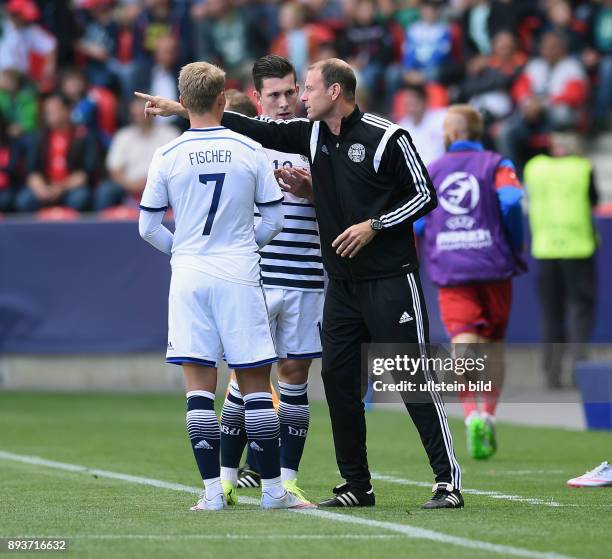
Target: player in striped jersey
{"x":292,"y":275}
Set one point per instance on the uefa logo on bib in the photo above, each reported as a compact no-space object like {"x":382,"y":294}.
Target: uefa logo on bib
{"x":459,"y":193}
{"x":356,"y":153}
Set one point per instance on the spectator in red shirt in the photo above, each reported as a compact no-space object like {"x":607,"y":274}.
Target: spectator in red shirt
{"x":21,"y":37}
{"x":61,"y":162}
{"x":550,"y":93}
{"x":489,"y":79}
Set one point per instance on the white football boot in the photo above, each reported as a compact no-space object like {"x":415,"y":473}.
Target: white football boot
{"x":287,"y":501}
{"x":598,"y":477}
{"x":218,"y":502}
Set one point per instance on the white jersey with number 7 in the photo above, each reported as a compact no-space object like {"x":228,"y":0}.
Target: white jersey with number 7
{"x":211,"y":177}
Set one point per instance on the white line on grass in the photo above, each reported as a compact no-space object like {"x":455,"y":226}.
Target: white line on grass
{"x":405,"y":529}
{"x":492,"y":494}
{"x":530,"y":472}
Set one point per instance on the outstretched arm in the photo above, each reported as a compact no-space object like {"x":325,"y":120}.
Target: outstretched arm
{"x":288,"y":136}
{"x":160,"y":106}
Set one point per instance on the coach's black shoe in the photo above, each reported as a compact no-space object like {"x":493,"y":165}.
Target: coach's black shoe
{"x":444,"y":497}
{"x":248,"y":478}
{"x":344,"y":496}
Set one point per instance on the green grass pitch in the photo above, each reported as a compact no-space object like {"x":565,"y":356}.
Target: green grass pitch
{"x":144,"y":435}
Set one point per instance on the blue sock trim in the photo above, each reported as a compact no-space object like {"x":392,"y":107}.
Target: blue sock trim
{"x":231,"y":398}
{"x":200,"y":403}
{"x":301,"y":400}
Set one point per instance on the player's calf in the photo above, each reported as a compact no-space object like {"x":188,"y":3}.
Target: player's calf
{"x":294,"y":418}
{"x":233,"y":440}
{"x":205,"y":438}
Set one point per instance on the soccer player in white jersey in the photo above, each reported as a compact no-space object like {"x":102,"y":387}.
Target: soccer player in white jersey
{"x":292,"y":275}
{"x":212,"y":178}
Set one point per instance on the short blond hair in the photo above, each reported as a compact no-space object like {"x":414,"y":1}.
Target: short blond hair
{"x":200,"y":83}
{"x":473,"y":120}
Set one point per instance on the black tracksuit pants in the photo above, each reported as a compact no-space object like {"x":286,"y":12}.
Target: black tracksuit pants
{"x":370,"y":311}
{"x":568,"y":290}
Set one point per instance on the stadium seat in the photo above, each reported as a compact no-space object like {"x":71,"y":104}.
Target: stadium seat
{"x":604,"y":210}
{"x":106,"y":102}
{"x":57,"y":213}
{"x":539,"y":141}
{"x":119,"y":213}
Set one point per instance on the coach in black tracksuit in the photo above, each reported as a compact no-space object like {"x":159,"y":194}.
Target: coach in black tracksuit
{"x":369,"y":186}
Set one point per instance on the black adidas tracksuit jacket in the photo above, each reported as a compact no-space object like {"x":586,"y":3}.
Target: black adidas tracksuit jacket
{"x":370,"y":170}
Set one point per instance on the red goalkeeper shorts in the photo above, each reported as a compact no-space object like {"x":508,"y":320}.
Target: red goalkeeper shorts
{"x":480,"y":308}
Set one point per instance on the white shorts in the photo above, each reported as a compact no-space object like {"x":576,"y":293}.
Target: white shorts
{"x":295,"y":320}
{"x":209,"y":317}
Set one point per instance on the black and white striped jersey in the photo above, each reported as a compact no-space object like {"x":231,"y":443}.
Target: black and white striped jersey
{"x":292,"y":260}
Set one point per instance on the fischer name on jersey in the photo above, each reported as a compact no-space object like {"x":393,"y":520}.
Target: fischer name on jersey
{"x":212,"y":178}
{"x":292,"y":260}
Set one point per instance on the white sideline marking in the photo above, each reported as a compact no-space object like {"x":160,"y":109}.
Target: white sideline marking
{"x":492,"y":494}
{"x":530,"y":472}
{"x":405,"y":529}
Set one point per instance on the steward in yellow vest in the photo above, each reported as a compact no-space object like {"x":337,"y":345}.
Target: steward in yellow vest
{"x":561,"y":192}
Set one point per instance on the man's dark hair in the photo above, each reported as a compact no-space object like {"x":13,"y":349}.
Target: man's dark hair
{"x":271,"y":66}
{"x":418,"y":89}
{"x":61,"y":97}
{"x":239,"y":102}
{"x":337,"y":71}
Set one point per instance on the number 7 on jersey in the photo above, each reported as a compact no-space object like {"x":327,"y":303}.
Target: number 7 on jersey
{"x":218,"y":179}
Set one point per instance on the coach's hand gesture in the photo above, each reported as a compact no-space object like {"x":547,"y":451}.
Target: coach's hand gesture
{"x":296,"y":181}
{"x":160,"y":106}
{"x":354,"y":239}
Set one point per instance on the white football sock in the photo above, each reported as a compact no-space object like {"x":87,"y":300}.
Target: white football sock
{"x":213,"y":487}
{"x":273,"y":487}
{"x":229,"y":474}
{"x":288,"y":474}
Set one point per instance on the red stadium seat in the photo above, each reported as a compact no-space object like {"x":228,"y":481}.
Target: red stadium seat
{"x":106,"y":103}
{"x":604,"y":210}
{"x":540,"y":141}
{"x":57,"y":213}
{"x":119,"y":213}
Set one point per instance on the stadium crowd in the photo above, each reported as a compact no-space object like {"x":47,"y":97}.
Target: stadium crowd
{"x":71,"y":135}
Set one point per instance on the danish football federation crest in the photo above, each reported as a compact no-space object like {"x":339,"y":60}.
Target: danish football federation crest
{"x":356,"y":153}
